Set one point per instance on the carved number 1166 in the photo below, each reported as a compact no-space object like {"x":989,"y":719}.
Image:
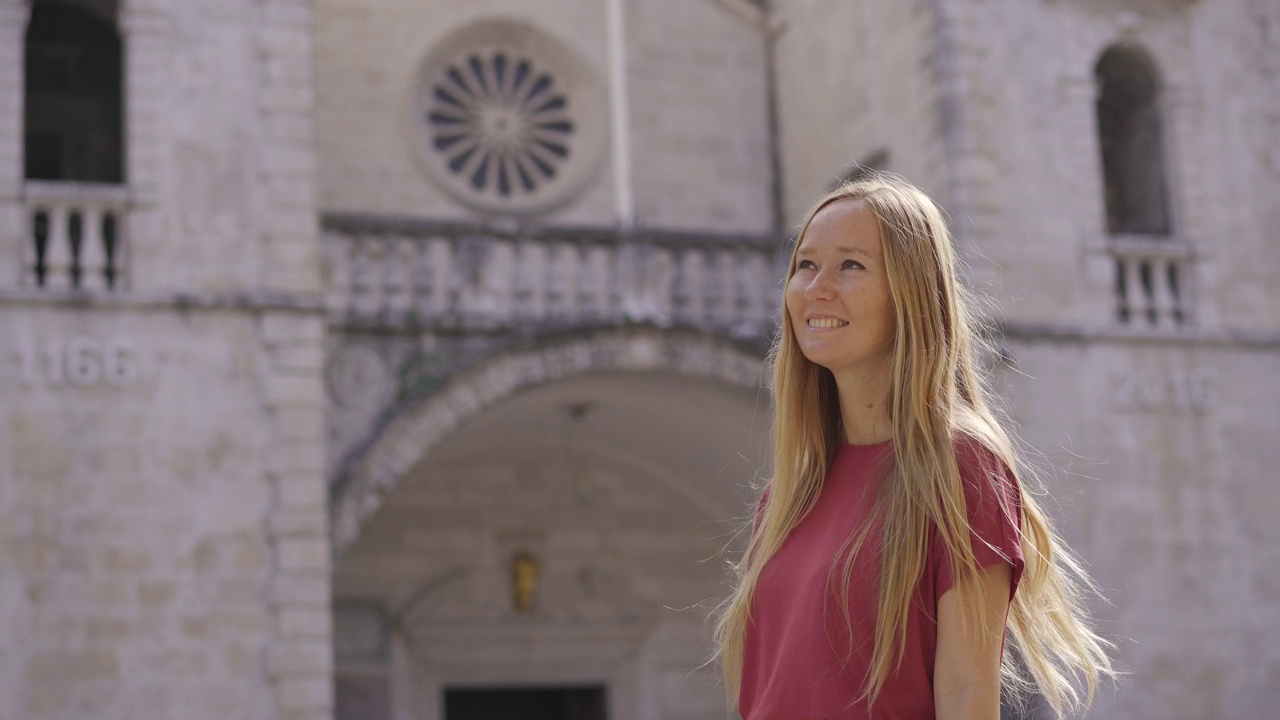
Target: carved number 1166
{"x":78,"y":362}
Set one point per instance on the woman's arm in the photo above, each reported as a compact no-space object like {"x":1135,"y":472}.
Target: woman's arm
{"x":966,"y":670}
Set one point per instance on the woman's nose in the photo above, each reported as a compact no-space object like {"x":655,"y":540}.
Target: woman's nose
{"x":820,"y":287}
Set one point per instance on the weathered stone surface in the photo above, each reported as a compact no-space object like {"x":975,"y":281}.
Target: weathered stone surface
{"x":167,"y":523}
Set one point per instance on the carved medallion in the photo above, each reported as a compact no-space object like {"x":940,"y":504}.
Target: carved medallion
{"x":358,"y":378}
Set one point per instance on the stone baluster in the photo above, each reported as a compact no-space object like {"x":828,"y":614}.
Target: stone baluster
{"x":755,"y":288}
{"x":633,"y":285}
{"x":661,"y":285}
{"x":1163,"y":299}
{"x":338,"y":247}
{"x":689,"y":290}
{"x":520,"y":289}
{"x":366,"y":276}
{"x":719,"y":288}
{"x":497,"y":273}
{"x":422,"y":272}
{"x":738,"y":274}
{"x":397,"y":289}
{"x":452,"y":282}
{"x":617,"y":271}
{"x":589,"y":286}
{"x":471,"y":254}
{"x":575,"y":265}
{"x":37,"y":238}
{"x":524,"y":282}
{"x":114,"y":246}
{"x":1123,"y":313}
{"x":445,"y":291}
{"x":75,"y":240}
{"x":93,"y":254}
{"x":1136,"y":297}
{"x":1179,"y":277}
{"x":57,"y":250}
{"x":560,"y":276}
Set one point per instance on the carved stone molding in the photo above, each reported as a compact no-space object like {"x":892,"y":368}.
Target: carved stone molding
{"x":358,"y":377}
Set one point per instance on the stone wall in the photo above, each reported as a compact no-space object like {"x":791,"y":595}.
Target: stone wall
{"x":1040,"y":135}
{"x":13,"y":20}
{"x":165,"y":534}
{"x":1158,"y":462}
{"x":367,"y":62}
{"x":1264,"y":131}
{"x":164,"y":527}
{"x":1154,"y":437}
{"x":135,"y":515}
{"x":699,"y":116}
{"x":855,"y":81}
{"x":1157,"y":439}
{"x":693,"y":70}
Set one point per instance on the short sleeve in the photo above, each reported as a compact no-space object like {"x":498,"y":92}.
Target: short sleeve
{"x":993,"y":501}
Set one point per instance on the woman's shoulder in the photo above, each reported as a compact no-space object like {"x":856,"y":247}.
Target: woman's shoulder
{"x":993,"y":504}
{"x":987,"y":476}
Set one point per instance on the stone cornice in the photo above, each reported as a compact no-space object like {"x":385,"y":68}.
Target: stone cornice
{"x":162,"y":300}
{"x":1187,"y":337}
{"x":365,"y":223}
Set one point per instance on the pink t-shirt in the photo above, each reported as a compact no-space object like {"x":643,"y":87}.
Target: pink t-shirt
{"x":794,"y":664}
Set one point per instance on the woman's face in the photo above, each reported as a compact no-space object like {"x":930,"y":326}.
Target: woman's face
{"x":838,"y":297}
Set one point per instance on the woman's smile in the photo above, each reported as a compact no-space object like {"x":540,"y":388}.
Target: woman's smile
{"x":826,"y":323}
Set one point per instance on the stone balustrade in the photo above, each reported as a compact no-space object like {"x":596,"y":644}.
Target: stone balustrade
{"x":74,"y":238}
{"x":407,"y":274}
{"x":1153,"y":281}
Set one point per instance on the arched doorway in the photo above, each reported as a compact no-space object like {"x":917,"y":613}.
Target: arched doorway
{"x":557,"y":552}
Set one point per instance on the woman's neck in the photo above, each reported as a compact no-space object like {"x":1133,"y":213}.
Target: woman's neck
{"x":864,"y":406}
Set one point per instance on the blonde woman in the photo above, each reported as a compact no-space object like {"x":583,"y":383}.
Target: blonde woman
{"x":894,"y":548}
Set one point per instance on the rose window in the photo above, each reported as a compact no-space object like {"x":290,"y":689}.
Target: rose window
{"x":508,"y":120}
{"x":500,"y":123}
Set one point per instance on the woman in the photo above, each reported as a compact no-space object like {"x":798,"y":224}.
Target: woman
{"x":893,"y":545}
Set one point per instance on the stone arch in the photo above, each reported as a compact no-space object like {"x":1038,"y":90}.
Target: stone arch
{"x":412,"y":430}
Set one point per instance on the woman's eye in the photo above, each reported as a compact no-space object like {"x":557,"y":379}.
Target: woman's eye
{"x":851,"y":265}
{"x":805,"y":265}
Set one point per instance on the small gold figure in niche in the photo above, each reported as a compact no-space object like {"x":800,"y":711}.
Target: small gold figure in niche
{"x":526,"y":569}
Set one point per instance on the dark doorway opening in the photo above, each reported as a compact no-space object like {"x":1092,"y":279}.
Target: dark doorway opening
{"x":554,"y":703}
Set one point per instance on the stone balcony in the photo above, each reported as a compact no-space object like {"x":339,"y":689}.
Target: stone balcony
{"x":1152,"y":281}
{"x":74,"y":237}
{"x":411,"y":275}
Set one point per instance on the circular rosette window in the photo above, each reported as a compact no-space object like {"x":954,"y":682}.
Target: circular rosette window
{"x":507,"y":120}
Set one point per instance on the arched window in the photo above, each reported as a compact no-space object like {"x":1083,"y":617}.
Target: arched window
{"x":74,"y":109}
{"x":1132,"y":151}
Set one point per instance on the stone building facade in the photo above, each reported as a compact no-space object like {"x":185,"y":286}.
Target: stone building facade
{"x":482,"y":293}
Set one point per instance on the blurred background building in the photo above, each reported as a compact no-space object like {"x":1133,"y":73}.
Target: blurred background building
{"x":404,"y":358}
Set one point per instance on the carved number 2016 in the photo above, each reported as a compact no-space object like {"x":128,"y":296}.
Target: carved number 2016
{"x":1152,"y":389}
{"x":79,"y":362}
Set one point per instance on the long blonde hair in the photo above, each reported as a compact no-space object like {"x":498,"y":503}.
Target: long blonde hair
{"x":938,"y":396}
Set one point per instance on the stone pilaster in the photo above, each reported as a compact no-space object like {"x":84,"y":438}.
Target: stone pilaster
{"x":1269,"y":17}
{"x":13,"y":24}
{"x":300,"y":662}
{"x":286,"y":101}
